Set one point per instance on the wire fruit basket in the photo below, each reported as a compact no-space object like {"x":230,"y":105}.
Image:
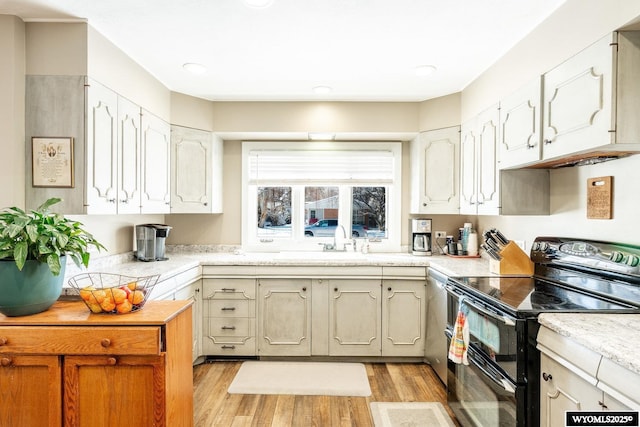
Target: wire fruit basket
{"x":113,"y":293}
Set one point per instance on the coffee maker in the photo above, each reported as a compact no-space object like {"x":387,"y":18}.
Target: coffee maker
{"x":150,"y":241}
{"x":420,"y":242}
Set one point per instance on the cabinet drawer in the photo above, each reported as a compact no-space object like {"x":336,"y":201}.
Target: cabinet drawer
{"x":241,"y":348}
{"x":231,"y":327}
{"x":229,"y":308}
{"x":80,"y":340}
{"x":229,"y":288}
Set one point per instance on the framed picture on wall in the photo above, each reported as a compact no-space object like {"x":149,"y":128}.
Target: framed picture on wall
{"x":52,"y":159}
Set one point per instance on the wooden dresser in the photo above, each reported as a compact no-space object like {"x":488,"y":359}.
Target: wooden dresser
{"x":68,"y":367}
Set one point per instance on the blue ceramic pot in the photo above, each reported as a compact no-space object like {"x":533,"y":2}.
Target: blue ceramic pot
{"x":30,"y":291}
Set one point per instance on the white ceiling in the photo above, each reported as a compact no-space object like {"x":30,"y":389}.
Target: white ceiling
{"x":365,"y":50}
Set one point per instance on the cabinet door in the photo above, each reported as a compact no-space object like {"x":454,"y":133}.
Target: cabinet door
{"x":110,"y":391}
{"x":129,"y":142}
{"x":564,"y":390}
{"x":284,"y":317}
{"x":101,"y":150}
{"x":520,"y":128}
{"x":192,"y":292}
{"x":191,"y":170}
{"x":468,"y":168}
{"x":403,"y":318}
{"x":435,"y":161}
{"x":488,"y":185}
{"x":436,"y":342}
{"x":30,"y":393}
{"x":355,"y":317}
{"x":155,"y":183}
{"x":578,"y":102}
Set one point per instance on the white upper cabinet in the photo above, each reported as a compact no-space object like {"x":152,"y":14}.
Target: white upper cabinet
{"x":155,"y":168}
{"x":196,"y":171}
{"x":479,"y":178}
{"x":520,"y":128}
{"x":113,"y":152}
{"x":591,"y":101}
{"x":435,"y":160}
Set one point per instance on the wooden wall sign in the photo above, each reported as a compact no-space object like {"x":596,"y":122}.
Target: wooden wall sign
{"x":599,"y":197}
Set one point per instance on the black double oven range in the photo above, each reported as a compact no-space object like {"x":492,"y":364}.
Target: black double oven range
{"x":500,"y":385}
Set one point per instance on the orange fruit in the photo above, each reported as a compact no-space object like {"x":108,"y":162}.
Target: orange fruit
{"x":99,"y":295}
{"x":136,"y":297}
{"x":107,"y":304}
{"x":124,"y":307}
{"x":132,"y":285}
{"x":119,"y":295}
{"x":85,"y":293}
{"x":95,"y":307}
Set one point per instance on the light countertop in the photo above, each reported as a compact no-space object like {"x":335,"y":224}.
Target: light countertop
{"x":614,"y":336}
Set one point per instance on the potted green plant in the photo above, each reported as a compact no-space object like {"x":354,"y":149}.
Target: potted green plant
{"x":33,"y":250}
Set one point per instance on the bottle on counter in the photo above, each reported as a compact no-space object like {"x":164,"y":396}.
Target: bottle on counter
{"x":472,"y":243}
{"x":466,"y":230}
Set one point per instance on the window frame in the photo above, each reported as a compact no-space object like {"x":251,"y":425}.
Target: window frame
{"x":298,"y":242}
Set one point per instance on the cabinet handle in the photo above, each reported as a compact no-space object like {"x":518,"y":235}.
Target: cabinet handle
{"x":530,"y":146}
{"x":105,"y":342}
{"x":3,"y":341}
{"x":547,"y":141}
{"x":228,"y":308}
{"x":389,"y":289}
{"x":228,"y":289}
{"x":111,"y":361}
{"x":111,"y":200}
{"x":5,"y":361}
{"x":546,"y":377}
{"x":206,"y":204}
{"x":124,"y":201}
{"x":602,"y":404}
{"x":229,"y":347}
{"x":233,"y":328}
{"x":424,"y":204}
{"x":335,"y":289}
{"x":304,"y":289}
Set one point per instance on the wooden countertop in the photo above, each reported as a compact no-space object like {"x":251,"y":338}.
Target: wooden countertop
{"x":76,"y":313}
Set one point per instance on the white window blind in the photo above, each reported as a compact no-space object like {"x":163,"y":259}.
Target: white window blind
{"x":327,"y":166}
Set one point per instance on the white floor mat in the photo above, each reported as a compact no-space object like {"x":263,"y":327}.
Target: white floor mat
{"x":301,"y":378}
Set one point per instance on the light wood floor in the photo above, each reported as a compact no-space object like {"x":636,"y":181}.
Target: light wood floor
{"x":390,"y":382}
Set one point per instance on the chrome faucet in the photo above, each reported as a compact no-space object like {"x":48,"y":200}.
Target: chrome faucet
{"x":339,"y":237}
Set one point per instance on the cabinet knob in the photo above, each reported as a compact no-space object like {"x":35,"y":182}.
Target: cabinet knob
{"x":105,"y":342}
{"x":547,"y":141}
{"x":111,"y":200}
{"x":546,"y":377}
{"x":206,"y":204}
{"x":335,"y":289}
{"x":424,"y":204}
{"x":3,"y":341}
{"x":389,"y":289}
{"x":112,"y":361}
{"x":304,"y":289}
{"x":5,"y":361}
{"x":602,"y":404}
{"x":124,"y":201}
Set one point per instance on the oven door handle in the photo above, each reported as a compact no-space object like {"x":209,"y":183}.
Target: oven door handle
{"x":502,"y":382}
{"x":500,"y":317}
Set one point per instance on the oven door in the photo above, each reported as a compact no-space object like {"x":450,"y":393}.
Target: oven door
{"x":479,"y":394}
{"x":492,"y":332}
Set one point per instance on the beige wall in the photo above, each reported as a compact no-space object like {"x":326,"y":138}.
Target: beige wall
{"x":12,"y":72}
{"x":57,"y":49}
{"x":438,"y":113}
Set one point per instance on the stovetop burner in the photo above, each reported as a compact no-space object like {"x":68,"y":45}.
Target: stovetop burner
{"x":542,"y":299}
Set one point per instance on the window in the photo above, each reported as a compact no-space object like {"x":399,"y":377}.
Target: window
{"x":296,"y":195}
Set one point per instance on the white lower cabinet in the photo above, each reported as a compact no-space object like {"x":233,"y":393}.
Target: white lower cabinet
{"x":403,"y":318}
{"x":355,"y":317}
{"x":192,"y":292}
{"x":284,"y":323}
{"x":562,"y":390}
{"x":229,"y":316}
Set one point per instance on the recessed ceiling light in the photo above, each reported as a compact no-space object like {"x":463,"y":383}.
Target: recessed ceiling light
{"x":424,"y":70}
{"x":321,"y":136}
{"x":258,"y":3}
{"x":321,"y":90}
{"x":194,"y":68}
